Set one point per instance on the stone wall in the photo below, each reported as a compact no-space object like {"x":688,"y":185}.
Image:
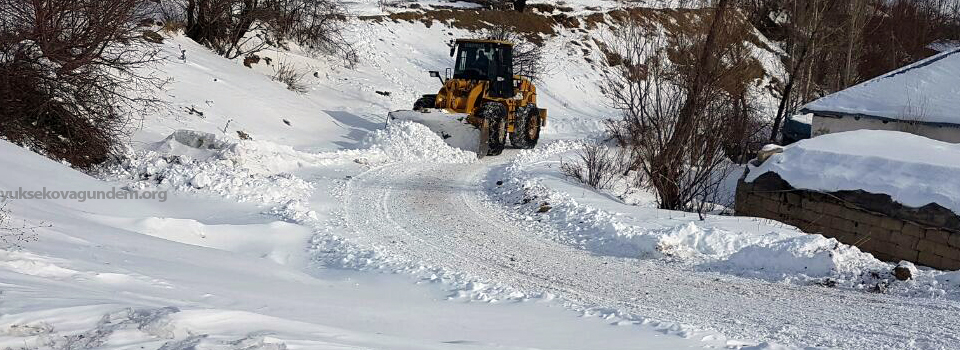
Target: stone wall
{"x":929,"y":235}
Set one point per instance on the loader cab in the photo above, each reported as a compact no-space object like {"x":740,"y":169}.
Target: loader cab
{"x":485,"y":60}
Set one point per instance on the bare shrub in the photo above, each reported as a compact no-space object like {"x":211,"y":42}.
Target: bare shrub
{"x":288,"y":74}
{"x":14,"y":235}
{"x":678,"y":94}
{"x":235,"y":28}
{"x":72,"y":74}
{"x":914,"y":114}
{"x":598,"y":165}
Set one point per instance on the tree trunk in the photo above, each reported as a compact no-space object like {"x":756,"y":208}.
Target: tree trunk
{"x":668,"y":165}
{"x":800,"y":60}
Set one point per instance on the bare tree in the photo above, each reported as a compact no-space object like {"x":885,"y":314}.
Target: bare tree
{"x":677,"y":105}
{"x":857,"y":17}
{"x":235,"y":28}
{"x":13,"y":235}
{"x":72,"y":74}
{"x":831,"y":45}
{"x":597,"y":165}
{"x":805,"y":32}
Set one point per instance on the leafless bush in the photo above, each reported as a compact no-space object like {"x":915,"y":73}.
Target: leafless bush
{"x":598,"y":165}
{"x":288,"y":74}
{"x":13,"y":236}
{"x":678,"y":94}
{"x":914,"y":114}
{"x":72,"y":74}
{"x":235,"y":28}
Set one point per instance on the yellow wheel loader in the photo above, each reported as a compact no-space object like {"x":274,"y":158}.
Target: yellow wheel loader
{"x":485,"y":94}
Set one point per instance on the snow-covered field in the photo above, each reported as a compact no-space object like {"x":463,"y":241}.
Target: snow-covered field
{"x":327,"y":229}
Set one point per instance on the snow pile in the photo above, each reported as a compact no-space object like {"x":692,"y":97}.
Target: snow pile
{"x":913,"y":170}
{"x":691,"y":241}
{"x":809,"y":255}
{"x":191,"y":161}
{"x":453,"y":128}
{"x":748,"y":247}
{"x":412,"y":142}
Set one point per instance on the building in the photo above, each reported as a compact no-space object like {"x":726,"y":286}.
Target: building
{"x":922,"y":98}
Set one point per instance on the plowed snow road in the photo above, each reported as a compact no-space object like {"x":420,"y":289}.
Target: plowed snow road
{"x":436,"y":214}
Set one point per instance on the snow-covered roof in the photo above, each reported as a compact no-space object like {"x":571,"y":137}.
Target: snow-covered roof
{"x":926,"y":91}
{"x":913,"y":170}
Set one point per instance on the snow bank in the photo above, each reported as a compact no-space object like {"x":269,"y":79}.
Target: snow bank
{"x":591,"y":223}
{"x":913,"y":170}
{"x":197,"y":162}
{"x":750,"y":247}
{"x":407,"y":141}
{"x":809,"y":255}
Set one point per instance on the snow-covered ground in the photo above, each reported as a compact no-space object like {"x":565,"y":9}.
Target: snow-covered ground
{"x":326,"y":229}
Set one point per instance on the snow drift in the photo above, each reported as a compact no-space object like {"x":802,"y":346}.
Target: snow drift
{"x":757,"y":248}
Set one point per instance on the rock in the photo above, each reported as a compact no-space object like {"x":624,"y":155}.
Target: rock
{"x":152,"y":37}
{"x":545,"y":207}
{"x":902,"y":272}
{"x":767,"y":151}
{"x":250,"y":60}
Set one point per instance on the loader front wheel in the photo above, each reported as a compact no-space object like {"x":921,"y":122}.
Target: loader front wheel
{"x":495,"y":118}
{"x":526,"y":130}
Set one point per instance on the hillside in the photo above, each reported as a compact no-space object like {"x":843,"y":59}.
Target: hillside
{"x":301,"y":220}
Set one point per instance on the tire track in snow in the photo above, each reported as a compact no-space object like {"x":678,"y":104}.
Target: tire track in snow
{"x":435,"y":215}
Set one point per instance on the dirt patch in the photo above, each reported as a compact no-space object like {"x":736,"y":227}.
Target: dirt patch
{"x":593,"y":20}
{"x":569,"y":22}
{"x":534,"y":27}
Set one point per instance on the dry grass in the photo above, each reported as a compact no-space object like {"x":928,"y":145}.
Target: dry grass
{"x":288,"y":74}
{"x":173,"y":27}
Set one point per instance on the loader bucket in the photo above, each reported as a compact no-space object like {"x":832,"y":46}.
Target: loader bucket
{"x":452,"y":127}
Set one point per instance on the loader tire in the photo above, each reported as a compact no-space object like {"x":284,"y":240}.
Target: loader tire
{"x":526,"y":128}
{"x":427,"y":101}
{"x":495,"y":117}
